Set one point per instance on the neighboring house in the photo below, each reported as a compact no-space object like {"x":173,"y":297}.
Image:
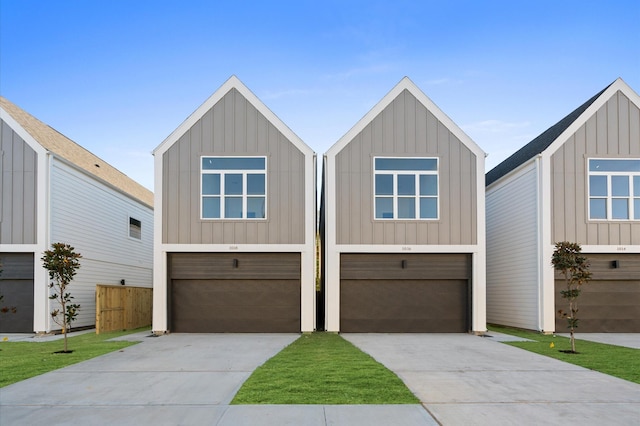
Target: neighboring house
{"x":53,"y":190}
{"x":402,"y":222}
{"x":578,"y":181}
{"x":235,"y":221}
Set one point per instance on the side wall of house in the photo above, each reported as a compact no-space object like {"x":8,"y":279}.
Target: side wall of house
{"x":233,"y":126}
{"x":18,"y":189}
{"x":512,"y":250}
{"x":614,"y":131}
{"x":406,"y":128}
{"x":94,"y":219}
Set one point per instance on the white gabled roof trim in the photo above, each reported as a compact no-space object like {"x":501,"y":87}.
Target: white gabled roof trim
{"x":22,"y":132}
{"x":618,"y":85}
{"x":405,"y":84}
{"x":232,"y":83}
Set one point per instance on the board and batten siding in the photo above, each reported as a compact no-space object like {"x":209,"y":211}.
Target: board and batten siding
{"x":94,"y":219}
{"x":18,"y":197}
{"x":512,"y":251}
{"x":233,"y":127}
{"x":406,"y":128}
{"x":613,"y":131}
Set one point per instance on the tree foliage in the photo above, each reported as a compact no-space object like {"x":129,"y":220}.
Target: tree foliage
{"x":62,"y":262}
{"x":568,"y":259}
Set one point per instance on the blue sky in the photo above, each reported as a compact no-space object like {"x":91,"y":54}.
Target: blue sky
{"x":119,"y":76}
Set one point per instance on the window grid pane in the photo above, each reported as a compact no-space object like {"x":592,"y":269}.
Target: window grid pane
{"x":620,"y":186}
{"x":406,"y":185}
{"x":384,"y":184}
{"x":614,"y":185}
{"x":405,"y":188}
{"x":598,"y":208}
{"x":428,"y":208}
{"x":384,"y":208}
{"x":211,"y":207}
{"x":620,"y":208}
{"x":406,"y":208}
{"x":237,"y":191}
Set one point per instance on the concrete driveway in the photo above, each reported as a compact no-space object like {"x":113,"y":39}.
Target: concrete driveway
{"x":470,"y":380}
{"x":177,"y":379}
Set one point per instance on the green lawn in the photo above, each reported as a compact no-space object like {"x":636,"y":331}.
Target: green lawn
{"x":616,"y":361}
{"x":22,"y":360}
{"x":323,"y":368}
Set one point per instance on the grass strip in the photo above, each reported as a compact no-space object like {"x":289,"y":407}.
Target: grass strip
{"x":617,"y":361}
{"x":22,"y":360}
{"x":323,"y":368}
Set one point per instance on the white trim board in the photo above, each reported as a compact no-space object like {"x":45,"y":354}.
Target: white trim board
{"x":406,"y":84}
{"x":232,"y":83}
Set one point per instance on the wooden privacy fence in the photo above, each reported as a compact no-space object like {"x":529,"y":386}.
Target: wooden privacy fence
{"x":122,"y":308}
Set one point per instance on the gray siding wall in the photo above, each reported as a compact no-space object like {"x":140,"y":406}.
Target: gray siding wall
{"x":406,"y":128}
{"x":512,"y":251}
{"x":94,"y":219}
{"x":233,"y":127}
{"x":18,"y":165}
{"x":614,"y":131}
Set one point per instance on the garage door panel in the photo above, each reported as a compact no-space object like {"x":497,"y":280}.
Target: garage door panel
{"x":398,"y":266}
{"x":400,"y":325}
{"x":610,"y":302}
{"x":410,"y":305}
{"x":239,"y":325}
{"x":240,"y":266}
{"x":222,"y":293}
{"x":16,"y":285}
{"x":235,"y":306}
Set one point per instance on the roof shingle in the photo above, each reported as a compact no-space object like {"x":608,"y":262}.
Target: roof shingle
{"x":65,"y":148}
{"x":539,"y":144}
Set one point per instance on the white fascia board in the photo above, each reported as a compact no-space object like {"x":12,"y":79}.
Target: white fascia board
{"x":406,"y":84}
{"x":22,"y":132}
{"x":19,"y":248}
{"x":235,"y":248}
{"x":619,"y":249}
{"x":618,"y":85}
{"x":232,"y":83}
{"x":407,"y":248}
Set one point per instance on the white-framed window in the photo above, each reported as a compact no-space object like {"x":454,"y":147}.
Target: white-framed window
{"x":233,"y":188}
{"x":614,"y":188}
{"x":135,"y":228}
{"x":405,"y":188}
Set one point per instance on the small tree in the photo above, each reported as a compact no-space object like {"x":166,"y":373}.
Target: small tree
{"x":62,"y":263}
{"x":567,"y":259}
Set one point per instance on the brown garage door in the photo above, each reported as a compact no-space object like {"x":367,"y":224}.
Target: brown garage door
{"x":234,"y":292}
{"x":404,"y":293}
{"x":610,"y":302}
{"x":16,"y":285}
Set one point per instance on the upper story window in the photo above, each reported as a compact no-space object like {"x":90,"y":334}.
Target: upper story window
{"x":406,"y":188}
{"x":135,"y":228}
{"x":234,"y":187}
{"x":614,"y":189}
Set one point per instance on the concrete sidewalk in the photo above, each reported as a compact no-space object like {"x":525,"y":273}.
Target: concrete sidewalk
{"x":629,"y":340}
{"x":470,"y":380}
{"x":186,"y":379}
